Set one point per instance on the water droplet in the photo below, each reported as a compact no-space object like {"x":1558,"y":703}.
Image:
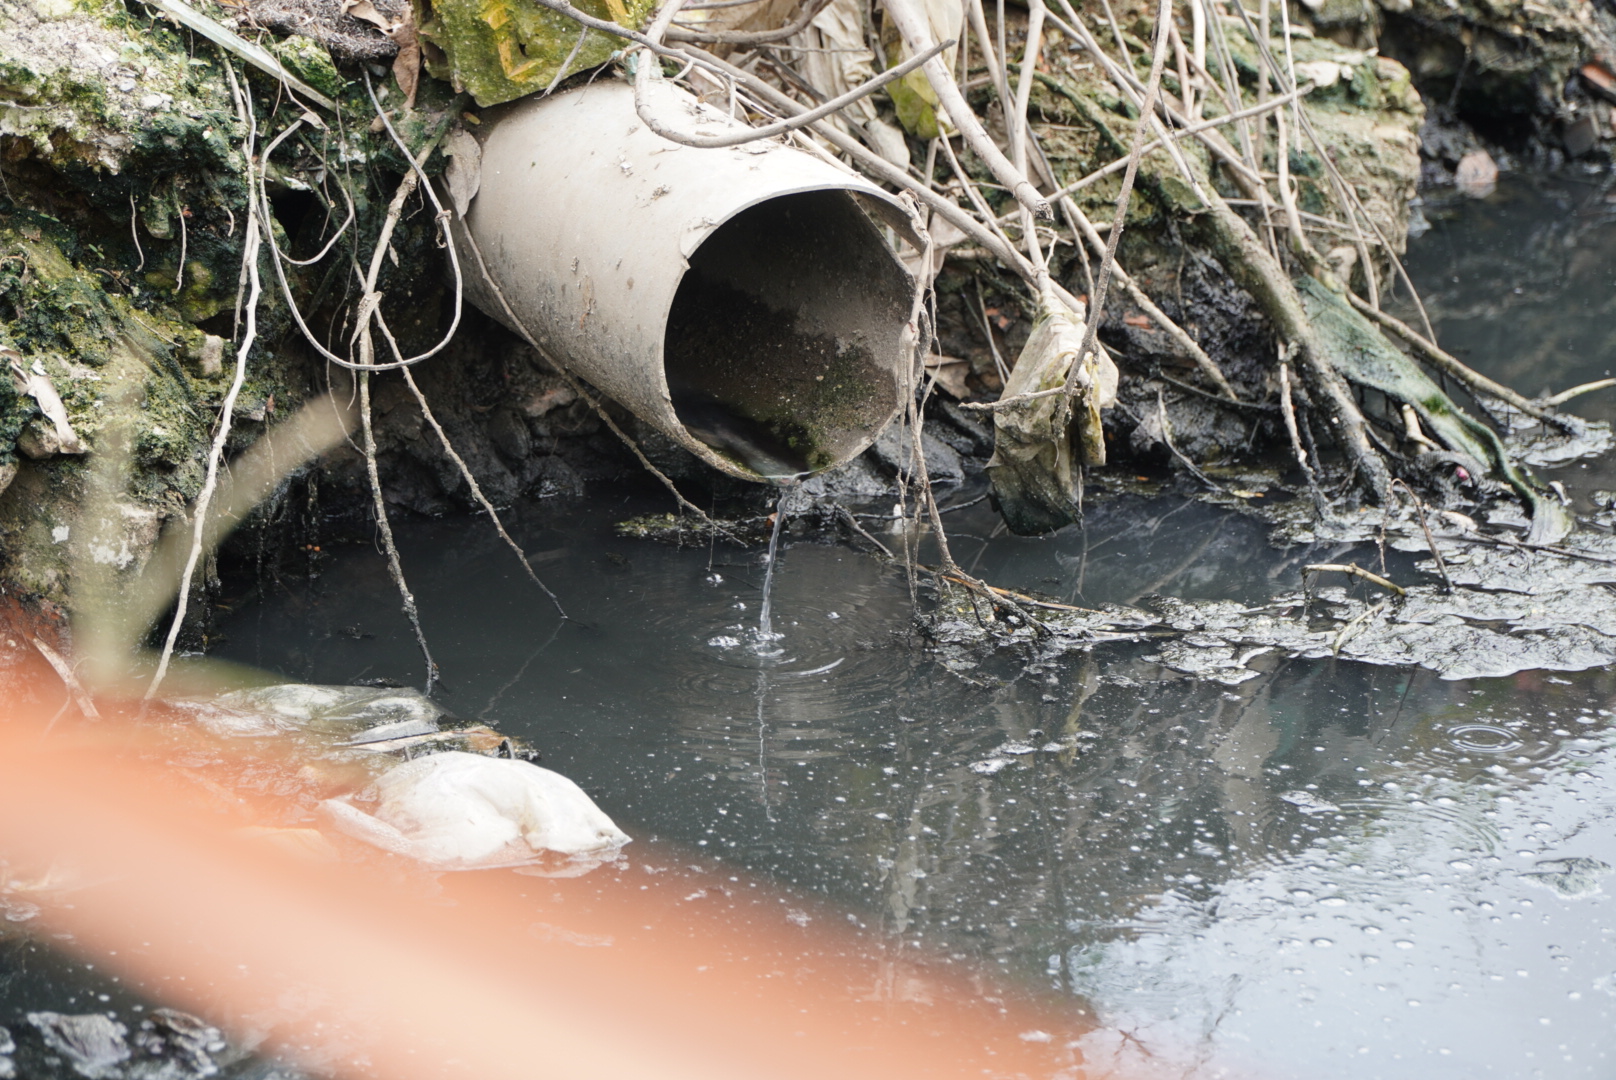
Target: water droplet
{"x":1323,"y":943}
{"x":1460,"y":864}
{"x":1403,"y":943}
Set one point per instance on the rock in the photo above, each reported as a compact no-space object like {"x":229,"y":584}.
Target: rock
{"x":210,"y":356}
{"x":1477,"y":174}
{"x":458,"y":811}
{"x":185,"y":1040}
{"x":510,"y":436}
{"x":93,"y":1044}
{"x":894,"y":450}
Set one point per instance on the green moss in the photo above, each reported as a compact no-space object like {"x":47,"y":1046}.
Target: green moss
{"x":500,"y":50}
{"x":310,"y":62}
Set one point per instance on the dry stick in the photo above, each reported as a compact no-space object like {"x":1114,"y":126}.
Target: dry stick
{"x":974,"y":195}
{"x":367,"y":356}
{"x":1346,"y":194}
{"x":1127,"y":83}
{"x":75,"y":689}
{"x":648,"y":70}
{"x":577,"y":388}
{"x":561,"y":72}
{"x":996,"y":72}
{"x":1430,"y":541}
{"x":1181,"y":57}
{"x":440,"y":216}
{"x":853,"y":521}
{"x":1096,"y":310}
{"x":1577,"y":391}
{"x":1287,"y":409}
{"x":1260,"y":274}
{"x":477,"y":491}
{"x":210,"y":483}
{"x":1167,"y":437}
{"x":394,"y":566}
{"x":1024,"y":83}
{"x":751,"y":37}
{"x":1180,"y":336}
{"x":916,"y":32}
{"x":1247,"y":176}
{"x":1178,"y":135}
{"x":1356,"y":571}
{"x":1448,"y":364}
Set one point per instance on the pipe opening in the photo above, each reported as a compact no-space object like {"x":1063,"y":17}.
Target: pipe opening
{"x":784,"y":344}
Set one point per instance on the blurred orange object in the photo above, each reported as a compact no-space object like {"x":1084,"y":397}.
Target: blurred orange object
{"x":378,"y":970}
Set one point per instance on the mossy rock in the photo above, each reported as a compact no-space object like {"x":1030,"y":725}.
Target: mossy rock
{"x":500,"y":50}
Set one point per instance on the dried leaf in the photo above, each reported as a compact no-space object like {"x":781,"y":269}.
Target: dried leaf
{"x":407,"y":64}
{"x":465,"y":172}
{"x":37,"y":385}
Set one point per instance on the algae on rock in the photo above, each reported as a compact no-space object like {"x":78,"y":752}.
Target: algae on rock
{"x":500,"y":50}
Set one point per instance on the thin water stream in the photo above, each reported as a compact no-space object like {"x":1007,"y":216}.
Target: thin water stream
{"x":1329,"y":869}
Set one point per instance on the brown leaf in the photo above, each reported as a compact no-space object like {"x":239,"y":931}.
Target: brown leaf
{"x":407,"y":64}
{"x":364,"y":9}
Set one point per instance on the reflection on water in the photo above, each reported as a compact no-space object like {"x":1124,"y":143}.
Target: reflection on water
{"x":1330,"y":869}
{"x":1261,"y":876}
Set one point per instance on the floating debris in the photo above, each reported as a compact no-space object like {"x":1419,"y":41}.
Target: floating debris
{"x":93,"y":1044}
{"x":1571,"y":877}
{"x":459,"y":811}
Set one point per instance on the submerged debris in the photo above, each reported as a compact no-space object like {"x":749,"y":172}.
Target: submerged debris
{"x":1512,"y":608}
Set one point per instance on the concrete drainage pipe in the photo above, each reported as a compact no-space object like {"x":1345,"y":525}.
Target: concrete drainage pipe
{"x":743,"y":301}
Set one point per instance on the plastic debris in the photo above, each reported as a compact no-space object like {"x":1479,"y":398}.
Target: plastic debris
{"x":459,"y":811}
{"x":1035,"y":468}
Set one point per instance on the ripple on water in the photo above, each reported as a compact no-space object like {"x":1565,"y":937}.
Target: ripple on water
{"x":1484,"y":739}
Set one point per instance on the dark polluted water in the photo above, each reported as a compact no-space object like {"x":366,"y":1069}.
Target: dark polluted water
{"x":1328,"y":869}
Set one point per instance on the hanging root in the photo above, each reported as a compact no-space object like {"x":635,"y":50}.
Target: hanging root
{"x":477,"y":491}
{"x":394,"y":566}
{"x":249,"y":261}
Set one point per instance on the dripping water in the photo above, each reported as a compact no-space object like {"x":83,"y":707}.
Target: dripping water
{"x":764,"y":641}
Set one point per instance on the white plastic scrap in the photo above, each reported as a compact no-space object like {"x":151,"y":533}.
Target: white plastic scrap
{"x":460,"y":811}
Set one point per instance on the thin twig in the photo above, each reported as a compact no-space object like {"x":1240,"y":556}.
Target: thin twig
{"x":648,"y":71}
{"x":394,"y":565}
{"x":477,"y":491}
{"x":1450,"y":365}
{"x":1577,"y":391}
{"x":752,"y":37}
{"x":1356,"y":571}
{"x":1287,"y":409}
{"x":75,"y":689}
{"x":1096,"y":309}
{"x":367,"y":356}
{"x":915,"y":30}
{"x":221,"y":437}
{"x":1430,"y":542}
{"x":853,"y":521}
